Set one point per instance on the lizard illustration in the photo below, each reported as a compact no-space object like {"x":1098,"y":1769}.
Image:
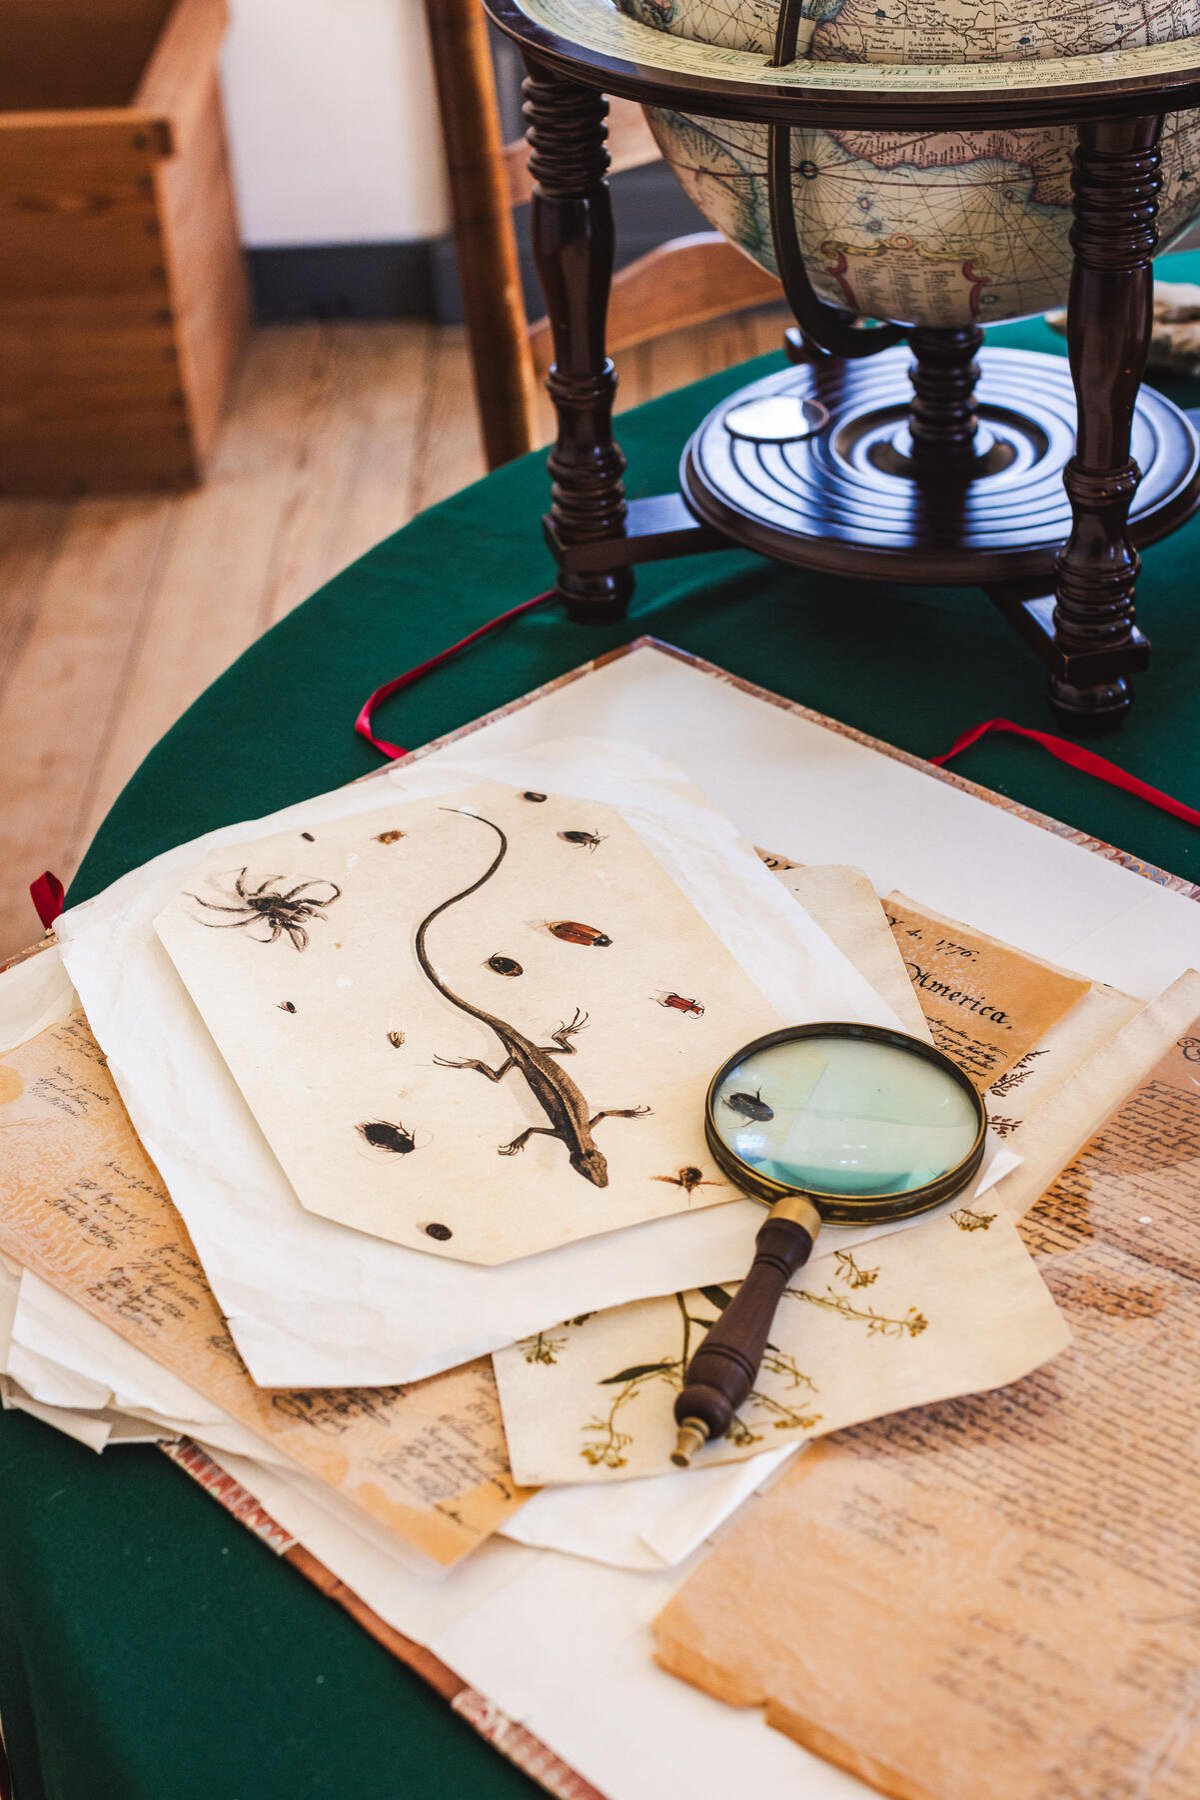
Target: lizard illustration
{"x":557,"y":1095}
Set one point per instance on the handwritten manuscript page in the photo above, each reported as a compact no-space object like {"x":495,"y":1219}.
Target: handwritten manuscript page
{"x":1018,"y":1025}
{"x":85,"y":1209}
{"x":1001,"y":1596}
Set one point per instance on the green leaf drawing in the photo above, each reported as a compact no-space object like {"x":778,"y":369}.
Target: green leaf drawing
{"x":638,"y":1369}
{"x":717,"y":1296}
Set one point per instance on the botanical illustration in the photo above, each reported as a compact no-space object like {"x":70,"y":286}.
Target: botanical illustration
{"x":872,"y":1326}
{"x":605,"y":1443}
{"x":499,"y":1032}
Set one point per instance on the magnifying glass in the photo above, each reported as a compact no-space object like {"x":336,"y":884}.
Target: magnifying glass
{"x":849,"y":1124}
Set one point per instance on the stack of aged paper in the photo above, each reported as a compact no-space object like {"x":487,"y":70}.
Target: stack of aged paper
{"x":174,"y":1266}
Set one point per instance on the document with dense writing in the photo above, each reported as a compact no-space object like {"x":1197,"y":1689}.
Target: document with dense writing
{"x":85,"y":1209}
{"x":1001,"y":1596}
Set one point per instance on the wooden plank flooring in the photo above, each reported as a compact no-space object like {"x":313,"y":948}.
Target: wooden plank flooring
{"x":116,"y":613}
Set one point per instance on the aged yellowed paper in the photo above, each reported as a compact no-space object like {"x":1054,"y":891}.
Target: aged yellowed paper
{"x":987,"y":1003}
{"x":475,"y":1025}
{"x":1018,"y":1025}
{"x":950,"y":1307}
{"x":83,"y":1207}
{"x":1001,"y":1596}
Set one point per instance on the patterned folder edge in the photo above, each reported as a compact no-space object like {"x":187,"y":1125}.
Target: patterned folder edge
{"x":512,"y":1740}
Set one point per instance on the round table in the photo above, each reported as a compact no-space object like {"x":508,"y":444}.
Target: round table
{"x":149,"y":1645}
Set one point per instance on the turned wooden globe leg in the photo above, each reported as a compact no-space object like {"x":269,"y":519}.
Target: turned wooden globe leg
{"x":943,"y":423}
{"x":1117,"y":182}
{"x":572,"y":229}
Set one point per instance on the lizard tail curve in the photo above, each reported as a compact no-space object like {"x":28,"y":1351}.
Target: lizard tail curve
{"x":463,"y":894}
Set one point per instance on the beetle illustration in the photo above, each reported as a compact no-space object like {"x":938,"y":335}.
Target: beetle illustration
{"x":586,"y":839}
{"x":693,"y":1008}
{"x":530,"y":795}
{"x":751,"y":1106}
{"x":504,"y":965}
{"x":382,"y":1135}
{"x":572,"y":932}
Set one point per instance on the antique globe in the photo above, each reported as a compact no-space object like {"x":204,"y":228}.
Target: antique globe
{"x":912,"y":172}
{"x":948,"y":228}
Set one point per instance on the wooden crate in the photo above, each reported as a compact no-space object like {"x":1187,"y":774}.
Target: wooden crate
{"x":123,"y":298}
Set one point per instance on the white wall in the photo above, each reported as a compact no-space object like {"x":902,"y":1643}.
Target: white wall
{"x":333,"y":122}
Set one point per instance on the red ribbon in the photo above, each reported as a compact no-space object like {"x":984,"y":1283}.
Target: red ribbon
{"x":1076,"y":757}
{"x":47,"y":894}
{"x":363,"y":722}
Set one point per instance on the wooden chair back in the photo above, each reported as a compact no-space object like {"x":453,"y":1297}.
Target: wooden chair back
{"x":685,"y":282}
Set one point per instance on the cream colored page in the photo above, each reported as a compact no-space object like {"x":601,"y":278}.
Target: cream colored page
{"x":532,"y":1082}
{"x":1001,"y":1596}
{"x":83,"y":1207}
{"x":952,"y":1306}
{"x":847,"y":908}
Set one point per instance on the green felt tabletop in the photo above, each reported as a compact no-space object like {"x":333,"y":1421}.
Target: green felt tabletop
{"x":149,"y":1646}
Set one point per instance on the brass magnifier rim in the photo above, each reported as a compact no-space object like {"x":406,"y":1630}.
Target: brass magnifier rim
{"x":847,"y":1209}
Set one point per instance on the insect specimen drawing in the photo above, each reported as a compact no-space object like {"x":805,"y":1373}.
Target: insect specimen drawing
{"x":689,"y":1178}
{"x":750,"y":1106}
{"x":606,"y":1444}
{"x":677,"y":1003}
{"x":571,"y":1120}
{"x":381,"y":1134}
{"x":570,"y":931}
{"x":588,"y":840}
{"x":289,"y":912}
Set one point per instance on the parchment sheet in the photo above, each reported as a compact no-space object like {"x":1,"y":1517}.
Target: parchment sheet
{"x":397,"y":1132}
{"x":84,"y":1208}
{"x":1002,"y":1596}
{"x":1060,"y":1128}
{"x":1039,"y":1023}
{"x":70,"y":1367}
{"x":74,"y":1373}
{"x":988,"y":1004}
{"x":953,"y":1306}
{"x":310,"y":1303}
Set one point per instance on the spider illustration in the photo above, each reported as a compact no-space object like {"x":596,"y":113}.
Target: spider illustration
{"x":288,"y":912}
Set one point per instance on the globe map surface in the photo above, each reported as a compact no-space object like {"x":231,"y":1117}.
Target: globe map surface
{"x":944,"y":228}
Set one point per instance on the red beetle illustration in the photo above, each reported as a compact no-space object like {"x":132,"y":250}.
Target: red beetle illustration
{"x":572,"y":932}
{"x":693,"y":1008}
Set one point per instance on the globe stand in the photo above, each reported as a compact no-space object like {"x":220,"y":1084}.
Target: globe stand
{"x":921,"y":464}
{"x":1003,"y":468}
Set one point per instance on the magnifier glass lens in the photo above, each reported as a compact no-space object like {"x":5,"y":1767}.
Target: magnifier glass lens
{"x":844,"y":1115}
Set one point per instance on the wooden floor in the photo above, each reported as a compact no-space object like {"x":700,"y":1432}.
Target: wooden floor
{"x":116,"y":613}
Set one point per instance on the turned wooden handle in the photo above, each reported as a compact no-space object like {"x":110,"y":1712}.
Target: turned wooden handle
{"x":722,"y":1372}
